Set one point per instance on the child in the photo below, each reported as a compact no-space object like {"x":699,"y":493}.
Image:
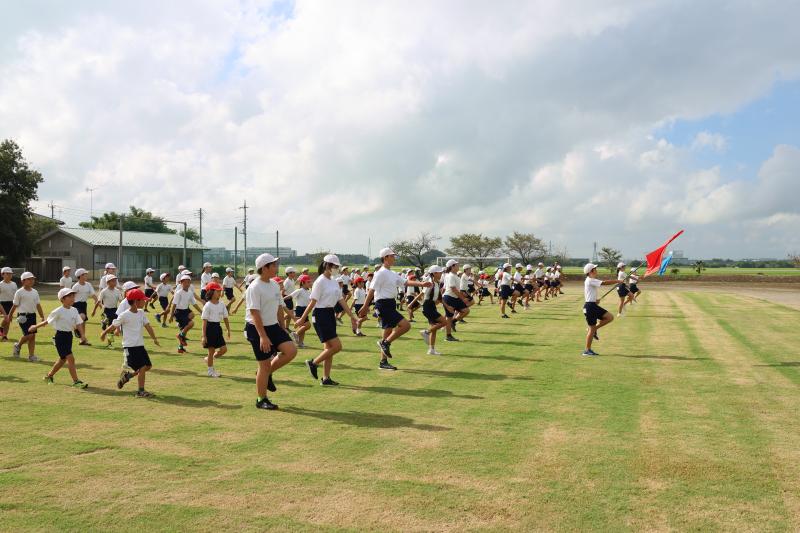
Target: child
{"x":539,"y":276}
{"x":149,"y":288}
{"x":136,"y":359}
{"x":455,"y":304}
{"x":634,"y":286}
{"x":163,"y":291}
{"x":7,"y":290}
{"x":436,"y":321}
{"x":412,"y":302}
{"x":214,"y":312}
{"x":248,"y":279}
{"x":109,"y":298}
{"x":504,"y":283}
{"x":325,"y":294}
{"x":111,"y":270}
{"x":205,"y":279}
{"x":179,"y":310}
{"x":591,"y":310}
{"x":65,"y":320}
{"x":124,"y":305}
{"x":384,"y":286}
{"x":26,"y":302}
{"x":83,"y":291}
{"x":622,"y":288}
{"x":359,"y":297}
{"x":301,"y":296}
{"x":228,"y":283}
{"x":66,"y":280}
{"x":272,"y":346}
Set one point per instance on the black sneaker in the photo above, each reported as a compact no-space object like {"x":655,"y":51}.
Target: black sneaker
{"x":328,"y":382}
{"x":596,"y":337}
{"x":450,"y":338}
{"x":386,"y":366}
{"x":311,"y":368}
{"x":124,"y":377}
{"x":504,"y":316}
{"x":453,"y":326}
{"x":266,"y":404}
{"x":271,"y":385}
{"x":385,"y":348}
{"x":463,"y":321}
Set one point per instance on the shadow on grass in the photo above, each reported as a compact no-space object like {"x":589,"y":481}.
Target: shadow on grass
{"x":511,"y":343}
{"x":163,"y":398}
{"x":24,"y":359}
{"x":665,"y":357}
{"x":497,"y":357}
{"x":418,"y":393}
{"x":458,"y":374}
{"x":783,"y":364}
{"x":13,"y":379}
{"x":365,"y":420}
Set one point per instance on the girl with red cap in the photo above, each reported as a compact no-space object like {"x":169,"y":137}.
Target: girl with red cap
{"x":213,"y":313}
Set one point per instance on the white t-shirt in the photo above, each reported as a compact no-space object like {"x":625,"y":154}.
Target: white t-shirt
{"x":214,"y":312}
{"x":517,"y":277}
{"x":539,"y":274}
{"x":385,"y":283}
{"x":228,"y":282}
{"x":26,"y":301}
{"x":590,"y":289}
{"x":65,"y":282}
{"x":183,"y":298}
{"x":7,"y":291}
{"x":83,"y":292}
{"x":63,"y":319}
{"x":104,"y":281}
{"x":452,"y":284}
{"x":431,"y":293}
{"x":505,"y":278}
{"x":163,"y":290}
{"x":465,"y":281}
{"x":288,"y":286}
{"x":132,"y":325}
{"x":621,"y":275}
{"x":148,"y":282}
{"x":205,"y":279}
{"x":301,"y":296}
{"x":123,"y":306}
{"x":634,"y":279}
{"x":326,"y":292}
{"x":360,"y":296}
{"x":250,"y":278}
{"x":264,"y":297}
{"x":346,"y":280}
{"x":110,"y":298}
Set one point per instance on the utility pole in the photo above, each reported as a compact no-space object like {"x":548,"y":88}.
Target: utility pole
{"x":202,"y":252}
{"x":91,"y":190}
{"x":235,"y":250}
{"x":119,"y":252}
{"x":244,"y":230}
{"x":52,"y":209}
{"x":594,"y":253}
{"x":277,"y":246}
{"x":184,"y":243}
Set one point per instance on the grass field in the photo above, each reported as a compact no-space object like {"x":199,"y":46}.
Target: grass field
{"x":688,"y":420}
{"x":688,"y":272}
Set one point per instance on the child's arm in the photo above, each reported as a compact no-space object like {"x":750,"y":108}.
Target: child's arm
{"x":199,"y":310}
{"x":10,"y":314}
{"x":82,"y":331}
{"x":41,"y":311}
{"x":35,"y":327}
{"x":228,"y":327}
{"x":203,"y":337}
{"x":96,"y":305}
{"x":107,"y":331}
{"x":152,"y":333}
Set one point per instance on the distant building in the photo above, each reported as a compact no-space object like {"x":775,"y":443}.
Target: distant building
{"x":93,"y":248}
{"x":678,"y":258}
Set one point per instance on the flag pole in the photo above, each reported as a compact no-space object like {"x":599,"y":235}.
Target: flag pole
{"x":623,"y":281}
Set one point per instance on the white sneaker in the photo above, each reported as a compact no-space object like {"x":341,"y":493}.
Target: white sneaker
{"x":205,"y":359}
{"x":212,"y":373}
{"x":432,"y":351}
{"x":425,"y":335}
{"x":17,"y":348}
{"x":295,"y":338}
{"x":33,"y":358}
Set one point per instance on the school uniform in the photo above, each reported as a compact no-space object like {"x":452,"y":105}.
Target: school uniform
{"x":591,"y":310}
{"x":346,"y":281}
{"x":214,"y":313}
{"x":288,"y":289}
{"x":110,"y":299}
{"x":386,"y":283}
{"x":82,"y":294}
{"x":528,"y":281}
{"x":411,"y":294}
{"x":505,"y":285}
{"x":163,"y":290}
{"x":132,"y":324}
{"x":484,"y":284}
{"x":228,"y":283}
{"x":64,"y":321}
{"x":248,"y":279}
{"x":359,"y":297}
{"x":634,"y":281}
{"x":205,"y":279}
{"x":26,"y":302}
{"x":301,"y":297}
{"x":518,"y":282}
{"x":104,"y":281}
{"x":429,"y":308}
{"x":452,"y":294}
{"x":148,"y":286}
{"x":65,"y":282}
{"x":622,"y":289}
{"x":182,"y":299}
{"x":556,"y":278}
{"x":539,"y":275}
{"x":7,"y":291}
{"x":466,"y":285}
{"x":327,"y":293}
{"x":264,"y":297}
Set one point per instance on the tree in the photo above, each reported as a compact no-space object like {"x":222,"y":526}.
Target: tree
{"x":414,"y":251}
{"x":675,"y":271}
{"x":39,"y":225}
{"x":19,"y":186}
{"x":475,"y":245}
{"x":191,"y":234}
{"x":137,"y":220}
{"x":795,"y":258}
{"x":525,"y":246}
{"x":562,"y":255}
{"x":699,"y":266}
{"x":610,"y":257}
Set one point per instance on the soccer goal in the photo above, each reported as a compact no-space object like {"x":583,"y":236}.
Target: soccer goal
{"x":478,"y":263}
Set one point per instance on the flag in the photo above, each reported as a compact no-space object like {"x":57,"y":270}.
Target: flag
{"x":664,"y":264}
{"x":655,"y":257}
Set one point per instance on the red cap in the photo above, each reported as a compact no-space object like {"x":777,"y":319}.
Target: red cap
{"x":304,"y":278}
{"x":359,"y":279}
{"x":136,"y":294}
{"x":277,"y":279}
{"x":212,"y":286}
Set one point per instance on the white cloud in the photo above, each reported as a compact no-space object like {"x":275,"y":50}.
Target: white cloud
{"x":714,"y":141}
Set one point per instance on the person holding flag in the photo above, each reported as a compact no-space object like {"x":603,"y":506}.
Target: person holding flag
{"x":596,"y":316}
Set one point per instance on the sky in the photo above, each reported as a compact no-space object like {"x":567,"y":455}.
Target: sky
{"x":344,"y":124}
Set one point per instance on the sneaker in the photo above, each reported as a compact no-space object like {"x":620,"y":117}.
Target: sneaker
{"x":205,"y":359}
{"x":212,"y":373}
{"x":312,"y":368}
{"x":339,"y":320}
{"x":328,"y":382}
{"x":450,"y":338}
{"x":463,"y":321}
{"x":143,"y":394}
{"x":181,"y":339}
{"x":295,"y":338}
{"x":386,"y":366}
{"x":16,"y":349}
{"x":124,"y":377}
{"x":596,"y":337}
{"x":48,"y":380}
{"x":301,"y":345}
{"x":513,"y":311}
{"x":80,"y":385}
{"x":181,"y":350}
{"x":432,"y":351}
{"x":265,"y":404}
{"x":425,"y":335}
{"x":504,"y":316}
{"x":360,"y":334}
{"x":590,"y":353}
{"x":385,"y":348}
{"x":85,"y":343}
{"x":271,"y":384}
{"x":163,"y":325}
{"x":33,"y":359}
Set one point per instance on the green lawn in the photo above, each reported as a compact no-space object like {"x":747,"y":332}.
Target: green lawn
{"x":688,"y":420}
{"x":688,"y":272}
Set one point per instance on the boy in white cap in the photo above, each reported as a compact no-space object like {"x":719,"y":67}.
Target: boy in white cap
{"x":228,"y":284}
{"x":288,"y":288}
{"x":7,"y":290}
{"x":109,"y":298}
{"x":622,"y":289}
{"x":266,"y":328}
{"x":436,"y":321}
{"x":205,"y":279}
{"x":124,"y":304}
{"x":83,"y":291}
{"x":66,"y":280}
{"x":64,"y":320}
{"x":163,"y":290}
{"x":596,"y":316}
{"x":243,"y":286}
{"x":504,"y":284}
{"x":538,"y":275}
{"x":149,"y":288}
{"x":26,"y":303}
{"x":111,"y":270}
{"x":179,"y":310}
{"x":136,"y":360}
{"x":383,"y":289}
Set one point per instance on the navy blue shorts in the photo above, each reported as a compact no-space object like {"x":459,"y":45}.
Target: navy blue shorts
{"x":149,"y":292}
{"x":63,"y":342}
{"x":30,"y":320}
{"x":182,"y":317}
{"x":593,"y":312}
{"x":299,"y":310}
{"x":80,"y":307}
{"x":276,"y":335}
{"x":387,"y":309}
{"x":7,"y":306}
{"x":505,"y":292}
{"x":229,"y":293}
{"x":289,"y":303}
{"x":622,"y":290}
{"x":456,"y":303}
{"x":111,"y":314}
{"x":633,"y":288}
{"x":214,"y":337}
{"x":431,"y":312}
{"x":136,"y":357}
{"x":325,"y":323}
{"x":164,"y":301}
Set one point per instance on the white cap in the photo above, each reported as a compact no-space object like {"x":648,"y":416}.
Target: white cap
{"x":451,"y":262}
{"x":386,"y":251}
{"x":64,"y":292}
{"x":541,"y":264}
{"x":128,"y":285}
{"x":229,"y":269}
{"x":506,"y":265}
{"x":289,"y":270}
{"x":480,"y":272}
{"x":186,"y":272}
{"x":620,"y":264}
{"x":558,"y":267}
{"x":366,"y":266}
{"x":110,"y":277}
{"x":27,"y":275}
{"x":181,"y":267}
{"x":149,"y":270}
{"x":518,"y":265}
{"x":6,"y":270}
{"x":214,"y":275}
{"x":163,"y":276}
{"x":467,"y":266}
{"x":589,"y":267}
{"x":333,"y":259}
{"x":64,"y":269}
{"x":435,"y":268}
{"x":264,"y":259}
{"x":206,"y":264}
{"x":184,"y":277}
{"x":251,"y":269}
{"x":110,"y":265}
{"x":529,"y":267}
{"x":80,"y":272}
{"x":305,"y":269}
